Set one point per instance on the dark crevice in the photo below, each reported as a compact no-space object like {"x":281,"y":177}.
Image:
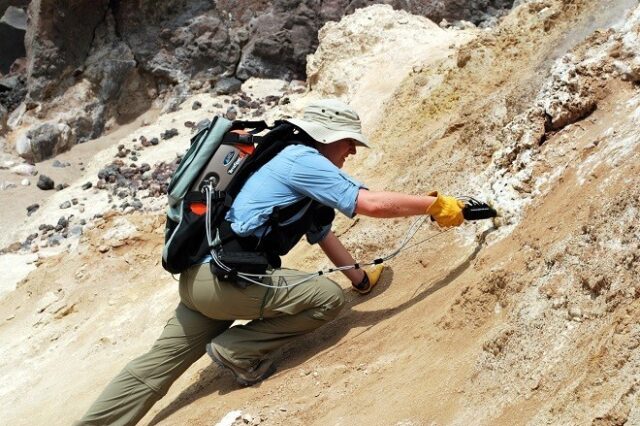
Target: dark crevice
{"x":113,"y":7}
{"x":543,"y":138}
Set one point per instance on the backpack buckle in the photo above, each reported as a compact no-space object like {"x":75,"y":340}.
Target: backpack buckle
{"x":245,"y":139}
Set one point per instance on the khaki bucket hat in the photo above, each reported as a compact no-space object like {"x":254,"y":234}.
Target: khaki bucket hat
{"x":329,"y":120}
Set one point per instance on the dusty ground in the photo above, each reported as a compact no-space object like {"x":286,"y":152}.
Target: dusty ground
{"x":532,"y":319}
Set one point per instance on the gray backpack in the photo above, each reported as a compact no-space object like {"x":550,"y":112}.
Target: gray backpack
{"x":220,"y":159}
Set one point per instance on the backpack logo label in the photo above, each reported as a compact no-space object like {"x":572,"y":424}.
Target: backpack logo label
{"x":228,"y":158}
{"x":235,"y":165}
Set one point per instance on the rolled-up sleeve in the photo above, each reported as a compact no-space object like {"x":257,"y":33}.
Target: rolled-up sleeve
{"x":316,"y":177}
{"x":317,"y":234}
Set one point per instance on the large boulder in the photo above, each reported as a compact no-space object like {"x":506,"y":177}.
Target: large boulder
{"x":45,"y":141}
{"x":58,"y":41}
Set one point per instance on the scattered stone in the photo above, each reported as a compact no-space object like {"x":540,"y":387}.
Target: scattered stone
{"x":227,"y":86}
{"x":24,"y":170}
{"x":203,"y":124}
{"x":25,"y":182}
{"x":154,"y":141}
{"x":45,"y":183}
{"x":231,"y":113}
{"x":55,"y":240}
{"x":168,"y":134}
{"x":57,"y":163}
{"x":258,"y":112}
{"x":32,"y":208}
{"x":7,"y":185}
{"x":14,"y":247}
{"x":144,"y":142}
{"x":75,"y":230}
{"x":125,"y":181}
{"x":189,"y":124}
{"x":103,"y":249}
{"x":196,"y":105}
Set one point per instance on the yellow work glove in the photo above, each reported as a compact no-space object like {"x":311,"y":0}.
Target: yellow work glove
{"x":446,"y":210}
{"x":369,"y":281}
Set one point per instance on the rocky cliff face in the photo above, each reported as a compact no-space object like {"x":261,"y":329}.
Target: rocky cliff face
{"x":110,"y":60}
{"x":178,"y":39}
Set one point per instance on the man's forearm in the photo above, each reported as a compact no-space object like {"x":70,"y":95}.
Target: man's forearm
{"x":340,"y":256}
{"x":388,"y":204}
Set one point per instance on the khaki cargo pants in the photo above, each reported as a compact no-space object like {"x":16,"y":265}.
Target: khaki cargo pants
{"x":205,"y":314}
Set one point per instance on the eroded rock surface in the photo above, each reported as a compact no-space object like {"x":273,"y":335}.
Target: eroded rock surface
{"x":110,"y":60}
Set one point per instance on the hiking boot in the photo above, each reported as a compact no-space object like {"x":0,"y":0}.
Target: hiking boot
{"x":246,"y":377}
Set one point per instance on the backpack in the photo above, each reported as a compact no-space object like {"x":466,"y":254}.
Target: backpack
{"x":219,"y":161}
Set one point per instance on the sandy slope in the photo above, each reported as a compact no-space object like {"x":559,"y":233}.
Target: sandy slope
{"x":535,"y":322}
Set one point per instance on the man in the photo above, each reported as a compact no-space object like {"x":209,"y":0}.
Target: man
{"x":307,"y":176}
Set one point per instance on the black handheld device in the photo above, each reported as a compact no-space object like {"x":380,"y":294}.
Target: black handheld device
{"x":477,"y":210}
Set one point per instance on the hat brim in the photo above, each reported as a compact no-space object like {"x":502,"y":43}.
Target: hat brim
{"x":325,"y":135}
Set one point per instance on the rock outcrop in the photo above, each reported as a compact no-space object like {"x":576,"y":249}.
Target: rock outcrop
{"x":45,"y":141}
{"x":110,"y":60}
{"x":175,"y":40}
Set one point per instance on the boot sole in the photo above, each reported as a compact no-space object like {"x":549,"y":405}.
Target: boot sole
{"x":219,"y":360}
